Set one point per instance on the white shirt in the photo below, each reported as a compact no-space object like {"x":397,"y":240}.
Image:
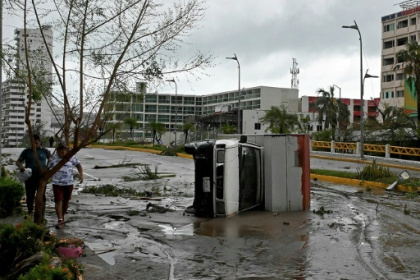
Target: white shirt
{"x":64,"y":176}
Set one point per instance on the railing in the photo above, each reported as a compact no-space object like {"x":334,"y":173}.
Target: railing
{"x":354,"y":148}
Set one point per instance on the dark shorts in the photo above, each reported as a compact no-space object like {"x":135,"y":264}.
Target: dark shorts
{"x":62,"y":193}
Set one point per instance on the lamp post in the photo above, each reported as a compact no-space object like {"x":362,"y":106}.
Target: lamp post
{"x":239,"y":91}
{"x":339,"y":91}
{"x":176,"y":106}
{"x":361,"y":85}
{"x":362,"y":116}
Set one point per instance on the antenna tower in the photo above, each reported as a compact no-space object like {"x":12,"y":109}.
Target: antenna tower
{"x":295,"y":71}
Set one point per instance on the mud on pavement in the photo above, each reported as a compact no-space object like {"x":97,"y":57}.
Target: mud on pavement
{"x":357,"y":235}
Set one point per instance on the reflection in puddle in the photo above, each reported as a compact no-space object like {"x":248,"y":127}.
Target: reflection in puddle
{"x":253,"y":223}
{"x":187,"y":230}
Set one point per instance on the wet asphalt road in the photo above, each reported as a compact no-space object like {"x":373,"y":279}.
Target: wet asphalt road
{"x":360,"y":236}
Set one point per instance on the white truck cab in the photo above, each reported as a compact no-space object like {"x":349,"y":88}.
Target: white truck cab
{"x":228,"y":176}
{"x":272,"y":173}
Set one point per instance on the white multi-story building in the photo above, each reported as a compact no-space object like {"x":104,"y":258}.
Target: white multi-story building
{"x":172,"y":110}
{"x":14,"y":94}
{"x":213,"y":110}
{"x":397,"y":30}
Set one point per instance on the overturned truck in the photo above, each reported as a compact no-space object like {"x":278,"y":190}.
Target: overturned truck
{"x":269,"y":172}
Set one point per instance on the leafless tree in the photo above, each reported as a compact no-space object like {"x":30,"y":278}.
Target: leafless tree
{"x":101,"y":46}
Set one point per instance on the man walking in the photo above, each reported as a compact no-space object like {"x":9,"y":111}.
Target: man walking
{"x":32,"y":184}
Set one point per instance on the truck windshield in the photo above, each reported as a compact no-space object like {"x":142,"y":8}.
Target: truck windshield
{"x":250,"y":192}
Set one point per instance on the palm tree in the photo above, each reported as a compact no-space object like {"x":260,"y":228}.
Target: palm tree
{"x":279,"y":120}
{"x":228,"y":128}
{"x":187,"y":127}
{"x":343,"y":117}
{"x":158,"y":129}
{"x":410,"y":58}
{"x":334,"y":111}
{"x":131,"y":122}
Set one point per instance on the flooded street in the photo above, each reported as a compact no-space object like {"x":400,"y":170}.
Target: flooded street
{"x":347,"y":234}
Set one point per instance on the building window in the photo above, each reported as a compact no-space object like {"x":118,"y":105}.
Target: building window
{"x":413,"y":21}
{"x":150,"y":118}
{"x":413,"y":38}
{"x":164,"y":99}
{"x":399,"y":76}
{"x":388,"y":61}
{"x":150,"y":109}
{"x":318,"y":127}
{"x":402,"y":41}
{"x":164,"y":109}
{"x":389,"y":44}
{"x":400,"y":93}
{"x":402,"y":24}
{"x":387,"y":94}
{"x":163,"y":118}
{"x":388,"y":78}
{"x":257,"y":126}
{"x":389,"y":27}
{"x":151,"y":98}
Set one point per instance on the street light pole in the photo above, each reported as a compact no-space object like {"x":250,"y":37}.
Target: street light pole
{"x":362,"y":116}
{"x":239,"y":91}
{"x":339,"y":91}
{"x":361,"y":88}
{"x":176,"y":106}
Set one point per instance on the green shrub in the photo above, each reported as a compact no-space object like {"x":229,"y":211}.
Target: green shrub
{"x":46,"y":272}
{"x":173,"y":150}
{"x":11,"y":192}
{"x":18,"y":243}
{"x":28,"y":252}
{"x":373,"y":171}
{"x":323,"y":135}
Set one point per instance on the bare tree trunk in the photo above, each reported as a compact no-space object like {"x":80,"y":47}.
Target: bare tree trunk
{"x":39,"y":201}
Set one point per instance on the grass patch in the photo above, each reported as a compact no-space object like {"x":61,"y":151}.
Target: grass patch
{"x":341,"y":174}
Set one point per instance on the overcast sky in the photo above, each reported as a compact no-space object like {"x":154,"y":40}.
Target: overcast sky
{"x":267,"y":34}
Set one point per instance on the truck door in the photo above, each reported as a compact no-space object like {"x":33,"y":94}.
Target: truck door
{"x":251,"y":183}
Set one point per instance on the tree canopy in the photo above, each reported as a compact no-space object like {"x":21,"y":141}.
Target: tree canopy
{"x":98,"y":47}
{"x":279,"y":120}
{"x":331,"y":111}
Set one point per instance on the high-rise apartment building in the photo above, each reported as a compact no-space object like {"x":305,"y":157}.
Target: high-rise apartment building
{"x":14,"y":97}
{"x":397,"y":30}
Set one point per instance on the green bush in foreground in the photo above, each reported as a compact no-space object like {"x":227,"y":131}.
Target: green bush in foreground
{"x":11,"y":192}
{"x":28,"y":251}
